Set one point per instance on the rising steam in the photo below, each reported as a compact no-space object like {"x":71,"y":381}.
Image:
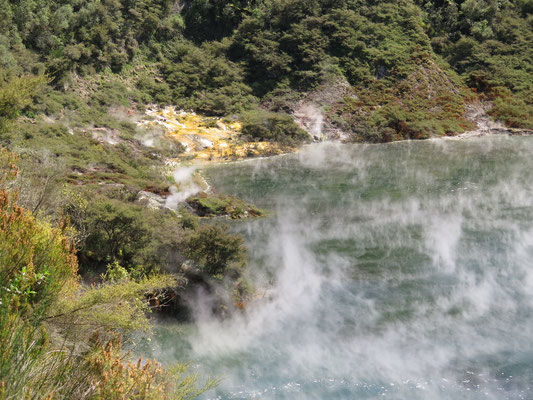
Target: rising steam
{"x":398,"y":271}
{"x":185,"y":186}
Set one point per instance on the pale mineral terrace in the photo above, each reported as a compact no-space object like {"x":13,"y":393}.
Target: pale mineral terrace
{"x":208,"y":139}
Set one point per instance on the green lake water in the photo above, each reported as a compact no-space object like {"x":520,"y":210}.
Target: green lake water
{"x":401,"y":271}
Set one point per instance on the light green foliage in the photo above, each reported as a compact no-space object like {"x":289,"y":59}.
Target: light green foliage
{"x":118,"y":304}
{"x":36,"y":263}
{"x":16,"y":93}
{"x":424,"y":104}
{"x":35,"y":260}
{"x":516,"y":110}
{"x":40,"y":182}
{"x":115,"y":272}
{"x":92,"y":145}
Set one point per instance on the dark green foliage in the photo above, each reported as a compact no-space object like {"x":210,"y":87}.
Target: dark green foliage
{"x":88,"y":34}
{"x":274,"y":127}
{"x":201,"y":78}
{"x":155,"y":91}
{"x":222,"y":205}
{"x":224,"y":57}
{"x":111,"y":93}
{"x":143,"y":240}
{"x":115,"y":232}
{"x":297,"y":45}
{"x":214,"y":19}
{"x":489,"y":43}
{"x":215,"y":250}
{"x":295,"y":39}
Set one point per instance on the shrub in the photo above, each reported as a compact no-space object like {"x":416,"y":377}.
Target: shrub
{"x":116,"y":273}
{"x":222,"y":205}
{"x":215,"y":250}
{"x":143,"y":380}
{"x":203,"y":79}
{"x":39,"y":292}
{"x":274,"y":127}
{"x":36,"y":263}
{"x":16,"y":93}
{"x":515,"y":110}
{"x":116,"y":232}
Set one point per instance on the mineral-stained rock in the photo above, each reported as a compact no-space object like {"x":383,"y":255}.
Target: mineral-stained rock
{"x":150,"y":200}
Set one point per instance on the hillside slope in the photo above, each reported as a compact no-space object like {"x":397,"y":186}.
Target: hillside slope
{"x":412,"y":66}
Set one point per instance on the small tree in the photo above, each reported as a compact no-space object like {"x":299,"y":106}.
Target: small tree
{"x":113,"y":232}
{"x":16,"y":93}
{"x":215,"y":250}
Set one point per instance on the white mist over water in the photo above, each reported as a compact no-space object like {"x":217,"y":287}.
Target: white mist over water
{"x":401,"y":271}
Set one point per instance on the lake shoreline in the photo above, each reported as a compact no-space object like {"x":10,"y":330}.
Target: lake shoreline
{"x":461,"y":136}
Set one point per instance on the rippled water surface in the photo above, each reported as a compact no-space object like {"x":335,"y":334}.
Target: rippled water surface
{"x":400,"y":271}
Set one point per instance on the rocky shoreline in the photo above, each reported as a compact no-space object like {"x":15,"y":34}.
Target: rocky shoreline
{"x":478,"y":114}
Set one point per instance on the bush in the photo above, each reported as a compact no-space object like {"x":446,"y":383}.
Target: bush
{"x":39,"y":293}
{"x":114,"y":379}
{"x":273,"y":127}
{"x":36,"y":263}
{"x":214,"y":250}
{"x":116,"y":232}
{"x":222,"y":205}
{"x":16,"y":93}
{"x":515,"y":110}
{"x":35,"y":260}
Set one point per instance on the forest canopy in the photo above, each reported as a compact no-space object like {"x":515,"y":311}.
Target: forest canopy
{"x":221,"y":57}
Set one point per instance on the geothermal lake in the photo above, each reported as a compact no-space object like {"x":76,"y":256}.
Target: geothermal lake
{"x":401,"y":271}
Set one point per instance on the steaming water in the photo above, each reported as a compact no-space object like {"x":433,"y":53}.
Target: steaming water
{"x":400,"y":271}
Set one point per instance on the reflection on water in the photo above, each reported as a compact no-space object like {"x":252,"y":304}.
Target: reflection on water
{"x":402,"y":271}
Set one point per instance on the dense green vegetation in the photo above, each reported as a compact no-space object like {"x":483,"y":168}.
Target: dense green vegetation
{"x":409,"y":63}
{"x":273,"y":127}
{"x":61,"y":339}
{"x":75,"y":77}
{"x":220,"y":205}
{"x":488,"y":42}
